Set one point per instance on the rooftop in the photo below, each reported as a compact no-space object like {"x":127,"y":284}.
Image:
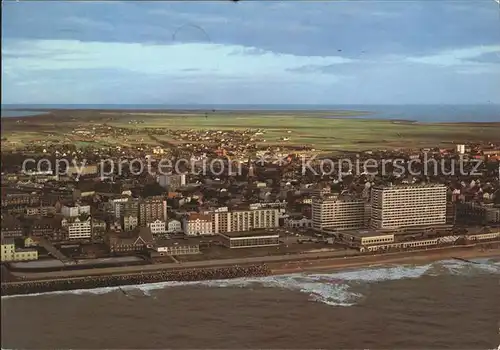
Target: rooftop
{"x":196,"y":216}
{"x":365,"y":233}
{"x":6,"y":241}
{"x":177,"y":242}
{"x":248,"y":234}
{"x":401,"y":186}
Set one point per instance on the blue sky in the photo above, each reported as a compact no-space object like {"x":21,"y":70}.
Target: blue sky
{"x":251,"y":52}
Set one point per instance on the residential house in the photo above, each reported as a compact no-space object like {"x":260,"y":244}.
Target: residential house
{"x":129,"y":222}
{"x":158,"y":227}
{"x":196,"y":224}
{"x":174,"y":226}
{"x":47,"y":227}
{"x":10,"y":252}
{"x":11,"y":227}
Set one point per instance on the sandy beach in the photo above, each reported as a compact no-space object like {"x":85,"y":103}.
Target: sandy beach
{"x":415,"y":258}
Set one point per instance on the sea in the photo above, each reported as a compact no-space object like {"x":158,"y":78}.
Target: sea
{"x":420,"y":113}
{"x":448,"y":304}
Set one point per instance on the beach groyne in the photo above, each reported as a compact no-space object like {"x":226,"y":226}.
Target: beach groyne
{"x":91,"y":282}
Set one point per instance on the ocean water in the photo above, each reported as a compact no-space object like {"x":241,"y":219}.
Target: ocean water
{"x":420,"y":113}
{"x":446,"y":304}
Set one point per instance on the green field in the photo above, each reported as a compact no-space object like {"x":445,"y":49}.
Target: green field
{"x":313,"y":129}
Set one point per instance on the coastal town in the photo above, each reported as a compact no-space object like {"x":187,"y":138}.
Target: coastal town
{"x":275,"y":204}
{"x":250,"y":175}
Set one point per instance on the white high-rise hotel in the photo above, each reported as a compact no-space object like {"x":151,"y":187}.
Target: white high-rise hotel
{"x":395,"y":207}
{"x":337,"y":213}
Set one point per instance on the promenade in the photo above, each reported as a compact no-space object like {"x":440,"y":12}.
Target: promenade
{"x":182,"y":265}
{"x":278,"y":264}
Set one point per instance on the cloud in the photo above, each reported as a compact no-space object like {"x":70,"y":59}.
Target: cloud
{"x":457,"y":57}
{"x":251,"y":52}
{"x":154,"y":59}
{"x":318,"y":28}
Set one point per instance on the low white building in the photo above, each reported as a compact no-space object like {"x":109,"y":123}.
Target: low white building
{"x":198,"y":225}
{"x":74,"y":211}
{"x":174,"y":226}
{"x":299,"y":223}
{"x":158,"y":227}
{"x":78,"y":228}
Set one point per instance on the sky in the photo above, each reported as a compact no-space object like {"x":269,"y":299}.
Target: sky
{"x":251,"y":52}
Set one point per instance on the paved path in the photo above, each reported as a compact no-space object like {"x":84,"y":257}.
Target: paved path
{"x":186,"y":265}
{"x":56,"y":253}
{"x":336,"y":255}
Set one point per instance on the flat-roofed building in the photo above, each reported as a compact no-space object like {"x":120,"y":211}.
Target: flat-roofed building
{"x":177,"y":247}
{"x":126,"y":208}
{"x":78,"y":228}
{"x":224,"y":220}
{"x":334,"y":212}
{"x":250,"y":239}
{"x":75,"y":210}
{"x":152,"y":209}
{"x":172,"y":181}
{"x":365,"y":238}
{"x":402,"y":206}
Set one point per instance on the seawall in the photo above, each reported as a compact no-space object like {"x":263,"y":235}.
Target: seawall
{"x":91,"y":282}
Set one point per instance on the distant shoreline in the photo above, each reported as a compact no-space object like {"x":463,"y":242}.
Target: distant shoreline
{"x":156,"y":111}
{"x":403,"y":114}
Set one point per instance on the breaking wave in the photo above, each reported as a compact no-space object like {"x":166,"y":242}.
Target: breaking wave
{"x":336,"y":289}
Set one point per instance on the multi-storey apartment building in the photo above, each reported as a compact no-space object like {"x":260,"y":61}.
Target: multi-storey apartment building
{"x":124,"y":206}
{"x":78,"y":228}
{"x":408,"y":206}
{"x":152,"y":209}
{"x":334,"y":212}
{"x":172,"y":181}
{"x":224,"y":220}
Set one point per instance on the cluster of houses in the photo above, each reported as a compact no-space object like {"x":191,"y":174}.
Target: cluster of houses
{"x":131,"y":213}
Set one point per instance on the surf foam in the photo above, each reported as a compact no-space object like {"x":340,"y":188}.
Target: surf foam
{"x":336,"y":289}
